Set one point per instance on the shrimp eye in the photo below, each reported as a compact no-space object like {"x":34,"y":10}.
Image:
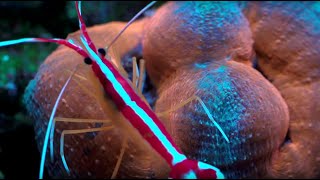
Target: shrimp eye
{"x":87,"y":60}
{"x":102,"y":51}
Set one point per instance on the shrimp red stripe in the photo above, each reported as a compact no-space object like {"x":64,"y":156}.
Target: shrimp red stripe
{"x":155,"y":140}
{"x":53,"y":40}
{"x":84,"y":28}
{"x":146,"y":122}
{"x":66,"y":43}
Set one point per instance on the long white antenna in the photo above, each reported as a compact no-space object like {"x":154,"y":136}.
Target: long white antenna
{"x":46,"y":138}
{"x":129,"y":23}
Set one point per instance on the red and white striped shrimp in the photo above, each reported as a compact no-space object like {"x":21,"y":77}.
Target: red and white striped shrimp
{"x":133,"y":108}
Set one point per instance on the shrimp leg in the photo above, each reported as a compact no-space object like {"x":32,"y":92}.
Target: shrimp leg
{"x":142,"y":75}
{"x":136,"y":82}
{"x":78,"y":131}
{"x":106,"y":128}
{"x":50,"y":123}
{"x":58,"y":119}
{"x":138,"y":74}
{"x":53,"y":123}
{"x":138,"y":77}
{"x":135,"y":74}
{"x":123,"y":148}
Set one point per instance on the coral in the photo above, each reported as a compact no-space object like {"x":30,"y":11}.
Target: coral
{"x":270,"y":114}
{"x":182,"y":33}
{"x":286,"y":37}
{"x":248,"y":108}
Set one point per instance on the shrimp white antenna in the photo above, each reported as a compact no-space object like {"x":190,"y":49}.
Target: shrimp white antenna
{"x":17,"y":41}
{"x":214,"y":122}
{"x":46,"y":139}
{"x":53,"y":124}
{"x":130,"y":22}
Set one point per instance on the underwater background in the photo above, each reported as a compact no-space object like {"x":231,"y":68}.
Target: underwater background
{"x":19,"y":156}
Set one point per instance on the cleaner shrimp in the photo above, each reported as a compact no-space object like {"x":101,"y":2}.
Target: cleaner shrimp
{"x":128,"y":98}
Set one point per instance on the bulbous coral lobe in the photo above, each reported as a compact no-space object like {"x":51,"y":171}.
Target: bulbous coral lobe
{"x":287,"y":43}
{"x":249,"y":109}
{"x":182,"y":33}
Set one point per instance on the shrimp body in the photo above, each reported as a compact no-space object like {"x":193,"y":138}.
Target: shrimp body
{"x":137,"y":112}
{"x":146,"y":122}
